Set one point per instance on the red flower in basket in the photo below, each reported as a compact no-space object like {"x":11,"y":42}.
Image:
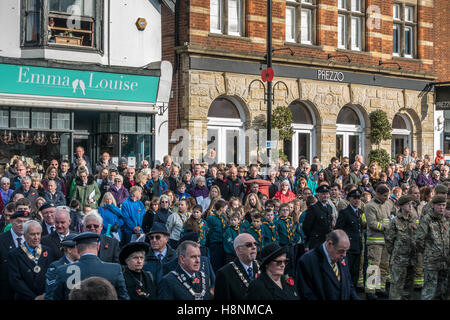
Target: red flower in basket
{"x":106,"y":246}
{"x":290,"y":281}
{"x":45,"y":254}
{"x":196,"y":280}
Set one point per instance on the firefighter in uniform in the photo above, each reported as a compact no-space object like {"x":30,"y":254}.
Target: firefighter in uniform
{"x":378,"y":219}
{"x":416,"y":213}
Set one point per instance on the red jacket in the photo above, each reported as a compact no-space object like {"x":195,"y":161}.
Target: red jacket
{"x":285,"y":197}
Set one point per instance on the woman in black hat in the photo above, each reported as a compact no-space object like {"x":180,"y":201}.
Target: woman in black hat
{"x":272,"y":283}
{"x":140,"y":283}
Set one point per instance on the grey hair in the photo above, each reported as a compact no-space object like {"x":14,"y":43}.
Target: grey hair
{"x":135,"y":189}
{"x":133,"y":254}
{"x":29,"y":224}
{"x":165,"y":196}
{"x":92,"y":215}
{"x":335,"y":236}
{"x":5,"y":180}
{"x":182,"y":248}
{"x":62,"y":210}
{"x":238,"y":240}
{"x":26,"y":178}
{"x":118,"y":176}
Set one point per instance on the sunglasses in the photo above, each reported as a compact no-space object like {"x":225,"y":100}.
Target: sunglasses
{"x":92,"y":226}
{"x":280,"y":262}
{"x":249,"y":244}
{"x":157,"y":237}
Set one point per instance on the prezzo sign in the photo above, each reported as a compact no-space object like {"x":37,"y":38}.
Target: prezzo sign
{"x":77,"y":83}
{"x":329,"y":75}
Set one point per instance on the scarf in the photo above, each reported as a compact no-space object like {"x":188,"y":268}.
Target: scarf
{"x":259,"y":240}
{"x":289,"y":230}
{"x":213,"y":213}
{"x":271,"y":226}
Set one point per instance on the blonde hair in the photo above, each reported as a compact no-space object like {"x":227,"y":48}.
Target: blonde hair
{"x":105,"y":196}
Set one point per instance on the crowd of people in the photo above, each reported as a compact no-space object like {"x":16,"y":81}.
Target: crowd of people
{"x":226,"y":232}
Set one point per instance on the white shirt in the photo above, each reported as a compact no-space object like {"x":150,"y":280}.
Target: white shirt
{"x":326,"y":254}
{"x":62,"y":236}
{"x":246,"y":266}
{"x":189,"y":274}
{"x":163,"y":254}
{"x":15,"y":236}
{"x":49,"y":230}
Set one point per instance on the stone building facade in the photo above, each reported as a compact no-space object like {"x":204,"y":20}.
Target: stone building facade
{"x":330,"y":98}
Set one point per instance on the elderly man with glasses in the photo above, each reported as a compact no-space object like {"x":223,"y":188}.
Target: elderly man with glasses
{"x":233,"y":279}
{"x":109,"y":247}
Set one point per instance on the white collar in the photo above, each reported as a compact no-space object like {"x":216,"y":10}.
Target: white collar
{"x":191,"y":275}
{"x":326,"y":254}
{"x":246,"y":266}
{"x":15,"y":236}
{"x":163,"y":254}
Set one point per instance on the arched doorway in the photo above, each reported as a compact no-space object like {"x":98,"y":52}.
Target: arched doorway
{"x":349,"y":133}
{"x":401,"y":134}
{"x":302,"y":143}
{"x":226,"y":130}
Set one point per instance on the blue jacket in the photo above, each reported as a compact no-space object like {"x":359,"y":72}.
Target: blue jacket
{"x":154,"y":266}
{"x":112,"y":215}
{"x":58,"y":199}
{"x":132,"y":212}
{"x":316,"y":279}
{"x":50,"y":276}
{"x":162,"y":187}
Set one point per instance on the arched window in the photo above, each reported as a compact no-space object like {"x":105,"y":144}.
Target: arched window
{"x":302,"y":143}
{"x":349,"y":133}
{"x":226,"y":131}
{"x":401,"y":133}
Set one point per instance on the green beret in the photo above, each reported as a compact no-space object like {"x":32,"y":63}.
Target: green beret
{"x":448,"y":204}
{"x":440,"y":188}
{"x":404,"y":199}
{"x":439,"y":199}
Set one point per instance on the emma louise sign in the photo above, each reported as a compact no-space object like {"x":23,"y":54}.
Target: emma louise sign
{"x":71,"y":83}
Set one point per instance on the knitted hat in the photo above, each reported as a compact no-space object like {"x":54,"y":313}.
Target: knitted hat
{"x":440,"y":188}
{"x":439,"y":199}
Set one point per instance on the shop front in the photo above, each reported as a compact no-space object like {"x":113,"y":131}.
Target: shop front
{"x":46,"y":112}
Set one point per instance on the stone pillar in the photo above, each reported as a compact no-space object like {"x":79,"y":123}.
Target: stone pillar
{"x":325,"y":142}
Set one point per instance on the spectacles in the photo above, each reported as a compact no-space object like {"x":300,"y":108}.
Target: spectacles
{"x":249,"y":244}
{"x":280,"y":262}
{"x":157,"y":237}
{"x":164,"y":201}
{"x":92,"y":226}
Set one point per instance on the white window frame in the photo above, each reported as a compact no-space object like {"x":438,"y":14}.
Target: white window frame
{"x":402,"y":15}
{"x":342,"y":31}
{"x":404,"y":134}
{"x":356,"y":34}
{"x":347,"y":130}
{"x":293,"y":26}
{"x":213,"y":29}
{"x":238,"y":16}
{"x":301,"y":6}
{"x":411,"y":41}
{"x":223,"y":17}
{"x":351,"y":10}
{"x":396,"y":27}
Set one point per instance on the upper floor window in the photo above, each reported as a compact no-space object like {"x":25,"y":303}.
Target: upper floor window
{"x":226,"y":16}
{"x":66,"y":22}
{"x":403,"y":30}
{"x":300,"y":21}
{"x":350,"y":24}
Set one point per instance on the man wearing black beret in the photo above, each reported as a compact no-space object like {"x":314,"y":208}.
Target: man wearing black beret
{"x":319,"y":219}
{"x":349,"y":220}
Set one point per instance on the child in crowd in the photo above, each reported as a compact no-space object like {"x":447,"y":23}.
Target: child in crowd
{"x":231,"y":232}
{"x":175,"y":223}
{"x":216,"y":227}
{"x":196,"y":224}
{"x":276,"y":206}
{"x":269,"y":228}
{"x":256,"y":231}
{"x":181,"y":191}
{"x":76,"y":216}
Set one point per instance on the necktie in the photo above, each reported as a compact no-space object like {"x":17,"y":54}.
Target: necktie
{"x":336,"y":271}
{"x":160,"y":257}
{"x":250,"y":273}
{"x":19,"y":242}
{"x":52,"y":228}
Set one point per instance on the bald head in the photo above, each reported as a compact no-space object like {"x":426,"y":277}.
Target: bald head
{"x":337,"y":244}
{"x":245,"y":247}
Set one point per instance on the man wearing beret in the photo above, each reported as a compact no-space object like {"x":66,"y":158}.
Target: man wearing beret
{"x":349,"y":220}
{"x":28,"y":264}
{"x":319,"y":219}
{"x":8,"y":241}
{"x":400,"y":245}
{"x":432,"y":238}
{"x":69,"y":276}
{"x":70,"y":256}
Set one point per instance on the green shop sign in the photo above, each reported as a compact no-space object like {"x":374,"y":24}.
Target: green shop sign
{"x":70,"y":83}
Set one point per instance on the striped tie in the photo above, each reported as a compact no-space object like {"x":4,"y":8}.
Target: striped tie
{"x":336,"y":271}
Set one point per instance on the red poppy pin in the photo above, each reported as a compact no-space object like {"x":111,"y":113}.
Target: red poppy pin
{"x":45,"y":254}
{"x":256,"y":275}
{"x":343,"y":263}
{"x":289,"y":280}
{"x":445,"y":227}
{"x":106,"y":246}
{"x":25,"y":213}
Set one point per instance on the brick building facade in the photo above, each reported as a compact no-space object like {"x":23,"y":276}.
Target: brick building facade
{"x":218,"y":48}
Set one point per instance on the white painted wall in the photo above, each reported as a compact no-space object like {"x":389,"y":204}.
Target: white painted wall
{"x":10,"y":28}
{"x":438,"y":132}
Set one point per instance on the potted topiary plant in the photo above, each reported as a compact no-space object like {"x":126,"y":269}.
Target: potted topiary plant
{"x":380,"y":130}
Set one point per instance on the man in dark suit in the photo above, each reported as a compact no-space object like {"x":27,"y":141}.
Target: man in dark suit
{"x":109,"y":247}
{"x":322,"y":273}
{"x":233,"y":279}
{"x":319,"y":219}
{"x":128,"y":180}
{"x":70,"y":256}
{"x":349,"y":220}
{"x":28,"y":264}
{"x":89,"y":265}
{"x":53,"y":240}
{"x":8,"y":241}
{"x":27,"y":190}
{"x":160,"y":252}
{"x":48,"y":211}
{"x":187,"y":281}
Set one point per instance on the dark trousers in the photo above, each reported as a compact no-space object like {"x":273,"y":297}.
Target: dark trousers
{"x":217,"y":254}
{"x":354,"y":260}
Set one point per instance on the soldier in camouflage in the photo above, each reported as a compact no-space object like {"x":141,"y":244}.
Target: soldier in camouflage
{"x":399,"y":241}
{"x":432,"y":238}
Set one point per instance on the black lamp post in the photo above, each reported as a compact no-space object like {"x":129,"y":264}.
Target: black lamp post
{"x":269,"y":81}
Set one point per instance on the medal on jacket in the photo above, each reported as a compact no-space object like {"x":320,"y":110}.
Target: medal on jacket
{"x":35,"y":258}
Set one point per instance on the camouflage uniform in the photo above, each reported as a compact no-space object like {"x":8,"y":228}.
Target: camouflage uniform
{"x":432,"y":238}
{"x":378,"y":219}
{"x":399,"y":241}
{"x":418,"y":277}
